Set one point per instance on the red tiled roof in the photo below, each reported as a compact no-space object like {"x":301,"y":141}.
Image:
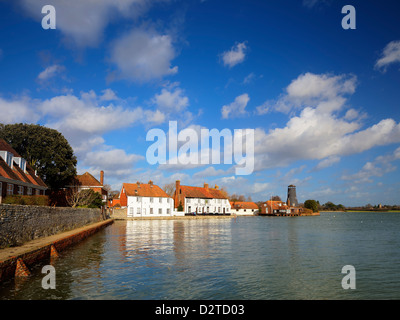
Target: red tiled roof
{"x":243,"y":205}
{"x":16,"y":173}
{"x":4,"y":146}
{"x":204,"y":193}
{"x":144,"y":190}
{"x":87,"y":180}
{"x":276,"y":205}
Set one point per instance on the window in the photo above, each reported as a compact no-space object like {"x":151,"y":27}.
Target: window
{"x":131,"y":211}
{"x":151,"y":210}
{"x":160,"y":200}
{"x":159,"y":211}
{"x":168,"y":211}
{"x":20,"y":190}
{"x":1,"y":190}
{"x":151,"y":200}
{"x":10,"y":189}
{"x":138,"y":211}
{"x":189,"y":208}
{"x":37,"y":192}
{"x":29,"y":191}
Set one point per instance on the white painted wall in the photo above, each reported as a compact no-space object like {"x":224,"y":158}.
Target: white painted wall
{"x":245,"y":212}
{"x":207,"y":205}
{"x":150,"y":207}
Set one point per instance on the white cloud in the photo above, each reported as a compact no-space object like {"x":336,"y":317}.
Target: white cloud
{"x":50,"y":72}
{"x":319,"y":132}
{"x":324,"y":92}
{"x":259,"y":187}
{"x":326,"y":163}
{"x":70,"y":113}
{"x":171,"y":100}
{"x":83,"y":22}
{"x":143,"y":56}
{"x":390,"y":55}
{"x":18,"y":110}
{"x":113,"y":160}
{"x":108,"y":95}
{"x":377,"y":168}
{"x":234,"y":56}
{"x":237,"y":108}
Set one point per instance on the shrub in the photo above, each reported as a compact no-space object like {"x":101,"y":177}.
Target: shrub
{"x":26,"y":200}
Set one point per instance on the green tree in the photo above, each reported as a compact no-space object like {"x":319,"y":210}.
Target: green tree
{"x":46,"y":150}
{"x":311,"y":204}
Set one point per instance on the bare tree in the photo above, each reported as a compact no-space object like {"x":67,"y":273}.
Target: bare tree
{"x":169,"y":189}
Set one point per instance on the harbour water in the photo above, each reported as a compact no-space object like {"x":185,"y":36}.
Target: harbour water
{"x":247,"y":258}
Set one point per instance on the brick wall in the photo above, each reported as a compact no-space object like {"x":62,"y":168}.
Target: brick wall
{"x":20,"y":224}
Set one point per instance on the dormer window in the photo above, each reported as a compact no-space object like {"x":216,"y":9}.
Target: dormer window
{"x":7,"y":157}
{"x":21,"y":162}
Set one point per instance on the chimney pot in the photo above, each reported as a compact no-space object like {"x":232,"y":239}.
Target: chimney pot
{"x":206,"y":185}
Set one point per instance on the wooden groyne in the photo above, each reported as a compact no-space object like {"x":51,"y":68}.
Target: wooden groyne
{"x":15,"y":261}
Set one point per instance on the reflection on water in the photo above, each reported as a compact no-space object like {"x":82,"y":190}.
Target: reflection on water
{"x":243,"y":258}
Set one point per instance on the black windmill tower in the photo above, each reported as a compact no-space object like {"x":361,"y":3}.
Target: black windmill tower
{"x":291,"y":196}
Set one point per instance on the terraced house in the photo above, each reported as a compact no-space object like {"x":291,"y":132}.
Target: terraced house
{"x":16,"y":176}
{"x":201,"y":200}
{"x":145,"y":200}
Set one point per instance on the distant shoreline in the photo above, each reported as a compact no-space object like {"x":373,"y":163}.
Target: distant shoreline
{"x":376,"y":211}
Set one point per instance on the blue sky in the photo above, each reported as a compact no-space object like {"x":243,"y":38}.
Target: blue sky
{"x":323,"y":101}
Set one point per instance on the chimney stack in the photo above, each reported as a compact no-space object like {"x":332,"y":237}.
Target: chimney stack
{"x":206,"y":186}
{"x":151,"y":184}
{"x":216,"y":187}
{"x":102,"y":177}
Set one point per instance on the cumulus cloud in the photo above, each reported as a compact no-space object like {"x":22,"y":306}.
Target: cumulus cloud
{"x":115,"y":161}
{"x":171,"y":100}
{"x":390,"y":55}
{"x":235,"y":55}
{"x":237,"y":108}
{"x":70,"y":113}
{"x":319,"y":132}
{"x":18,"y":110}
{"x":325,"y":92}
{"x":143,"y":55}
{"x":83,"y":22}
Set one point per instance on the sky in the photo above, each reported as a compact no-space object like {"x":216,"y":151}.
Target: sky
{"x":323,"y":100}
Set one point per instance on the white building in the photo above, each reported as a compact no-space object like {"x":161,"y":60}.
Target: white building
{"x":201,"y":200}
{"x":146,"y":200}
{"x":244,"y":208}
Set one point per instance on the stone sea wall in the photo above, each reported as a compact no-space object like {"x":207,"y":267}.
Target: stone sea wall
{"x":20,"y":224}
